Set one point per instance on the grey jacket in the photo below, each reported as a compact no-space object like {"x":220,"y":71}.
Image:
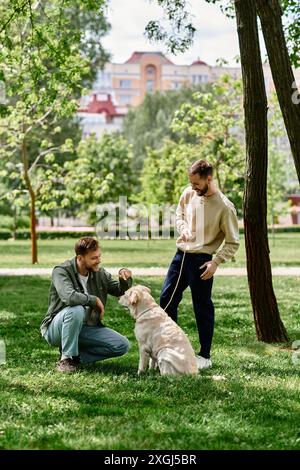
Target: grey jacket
{"x":66,"y":289}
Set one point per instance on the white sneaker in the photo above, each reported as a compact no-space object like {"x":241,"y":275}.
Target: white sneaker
{"x":203,"y":363}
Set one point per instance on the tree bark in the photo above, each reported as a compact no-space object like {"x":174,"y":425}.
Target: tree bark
{"x":33,"y":236}
{"x":269,"y":327}
{"x":270,"y":13}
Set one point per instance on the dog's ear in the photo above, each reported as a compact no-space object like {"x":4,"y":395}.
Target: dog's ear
{"x":133,"y":297}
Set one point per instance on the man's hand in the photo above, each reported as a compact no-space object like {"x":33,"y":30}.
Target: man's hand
{"x":211,"y":267}
{"x":185,"y":235}
{"x":125,"y":274}
{"x":100,"y":308}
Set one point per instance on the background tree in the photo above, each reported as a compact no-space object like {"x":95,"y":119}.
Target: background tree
{"x":101,"y":172}
{"x":210,"y":129}
{"x":148,"y":125}
{"x":13,"y":201}
{"x":270,"y":14}
{"x":44,"y":65}
{"x":214,"y":124}
{"x":281,"y":171}
{"x":291,"y":20}
{"x":269,"y":326}
{"x":167,"y":166}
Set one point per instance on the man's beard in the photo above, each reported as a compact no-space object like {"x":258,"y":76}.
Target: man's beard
{"x":94,"y":269}
{"x":202,"y":192}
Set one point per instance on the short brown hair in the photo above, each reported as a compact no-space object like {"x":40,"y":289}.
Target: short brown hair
{"x":86,"y":244}
{"x":202,"y":167}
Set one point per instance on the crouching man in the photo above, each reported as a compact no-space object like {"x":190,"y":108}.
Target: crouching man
{"x":77,"y":301}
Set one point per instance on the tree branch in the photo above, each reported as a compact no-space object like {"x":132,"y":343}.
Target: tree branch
{"x":39,"y":121}
{"x":42,"y":154}
{"x":16,"y":10}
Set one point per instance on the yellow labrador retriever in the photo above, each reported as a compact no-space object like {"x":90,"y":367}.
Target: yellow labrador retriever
{"x":161,"y":340}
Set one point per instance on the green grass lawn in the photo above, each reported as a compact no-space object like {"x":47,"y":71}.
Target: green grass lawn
{"x":106,"y":406}
{"x":135,"y":253}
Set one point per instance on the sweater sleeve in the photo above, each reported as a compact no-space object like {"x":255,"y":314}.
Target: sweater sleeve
{"x":181,"y":216}
{"x":229,"y":226}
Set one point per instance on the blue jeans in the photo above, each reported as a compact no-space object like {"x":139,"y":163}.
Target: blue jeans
{"x":201,"y":294}
{"x":93,"y":343}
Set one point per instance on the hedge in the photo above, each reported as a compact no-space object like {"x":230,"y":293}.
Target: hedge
{"x":24,"y":234}
{"x":5,"y":234}
{"x":52,"y":234}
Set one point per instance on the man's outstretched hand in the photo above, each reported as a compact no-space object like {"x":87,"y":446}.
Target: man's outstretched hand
{"x":125,"y":274}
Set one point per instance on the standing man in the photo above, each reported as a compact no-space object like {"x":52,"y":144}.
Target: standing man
{"x":77,"y":300}
{"x":204,"y":219}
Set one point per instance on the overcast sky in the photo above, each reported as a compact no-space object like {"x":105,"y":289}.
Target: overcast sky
{"x":216,"y":35}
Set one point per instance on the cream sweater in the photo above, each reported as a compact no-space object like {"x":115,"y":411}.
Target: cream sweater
{"x":209,"y":220}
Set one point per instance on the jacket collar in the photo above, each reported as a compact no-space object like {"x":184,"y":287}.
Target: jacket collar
{"x":74,"y":265}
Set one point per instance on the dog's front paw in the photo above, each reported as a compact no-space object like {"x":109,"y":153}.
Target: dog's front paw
{"x":153,"y":364}
{"x":141,"y":371}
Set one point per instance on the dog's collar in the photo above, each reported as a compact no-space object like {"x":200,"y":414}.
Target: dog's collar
{"x":144,"y":311}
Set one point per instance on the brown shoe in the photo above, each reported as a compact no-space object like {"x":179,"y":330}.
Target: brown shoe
{"x":66,"y":365}
{"x":76,"y":360}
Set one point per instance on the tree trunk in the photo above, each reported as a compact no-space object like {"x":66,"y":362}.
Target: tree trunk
{"x":33,"y":237}
{"x":268,"y":325}
{"x":270,"y":14}
{"x":33,"y":228}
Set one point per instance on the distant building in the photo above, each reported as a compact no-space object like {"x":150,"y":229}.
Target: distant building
{"x":121,"y":86}
{"x":98,"y":114}
{"x":295,"y":208}
{"x":146,"y":72}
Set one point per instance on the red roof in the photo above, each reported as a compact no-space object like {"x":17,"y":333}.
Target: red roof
{"x":101,"y":106}
{"x":199,"y":62}
{"x":136,"y":57}
{"x":295,"y":198}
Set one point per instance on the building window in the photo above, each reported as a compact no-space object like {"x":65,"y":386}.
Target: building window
{"x":125,"y":83}
{"x":197,"y":79}
{"x":150,"y":85}
{"x":125,"y":99}
{"x":103,"y":81}
{"x":150,"y":70}
{"x":176,"y":85}
{"x":95,"y":119}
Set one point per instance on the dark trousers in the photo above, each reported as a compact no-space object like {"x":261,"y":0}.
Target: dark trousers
{"x":201,"y":294}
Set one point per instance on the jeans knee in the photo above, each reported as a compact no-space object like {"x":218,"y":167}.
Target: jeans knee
{"x":123,"y":347}
{"x":76,"y":313}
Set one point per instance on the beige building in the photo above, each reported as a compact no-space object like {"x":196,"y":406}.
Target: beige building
{"x":146,"y":72}
{"x":121,"y":86}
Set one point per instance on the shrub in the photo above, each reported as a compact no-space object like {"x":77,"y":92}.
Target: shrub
{"x":5,"y":234}
{"x":7,"y":222}
{"x":52,"y":234}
